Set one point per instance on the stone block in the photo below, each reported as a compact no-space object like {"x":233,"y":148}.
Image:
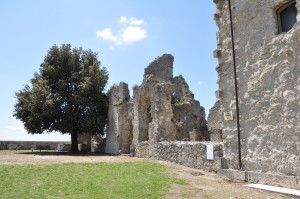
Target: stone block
{"x":233,"y":175}
{"x":219,"y":67}
{"x":224,"y":163}
{"x":298,"y":146}
{"x":218,"y":1}
{"x":217,"y":53}
{"x":216,"y":16}
{"x":219,"y":94}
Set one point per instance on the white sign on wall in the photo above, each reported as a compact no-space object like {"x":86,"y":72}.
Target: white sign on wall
{"x":210,"y":152}
{"x":228,"y":116}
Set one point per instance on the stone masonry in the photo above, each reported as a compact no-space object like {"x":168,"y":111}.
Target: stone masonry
{"x":187,"y":153}
{"x":188,"y":115}
{"x":164,"y":109}
{"x":214,"y":123}
{"x":119,"y":132}
{"x":161,"y":121}
{"x":84,"y":142}
{"x":268,"y":74}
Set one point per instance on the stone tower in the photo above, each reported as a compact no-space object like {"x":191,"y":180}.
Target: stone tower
{"x":267,"y":48}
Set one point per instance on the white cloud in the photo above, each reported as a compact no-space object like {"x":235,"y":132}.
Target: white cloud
{"x":111,"y":47}
{"x":132,"y":20}
{"x":106,"y":34}
{"x":200,"y":83}
{"x":123,"y":19}
{"x":132,"y":34}
{"x":14,"y":128}
{"x":129,"y":34}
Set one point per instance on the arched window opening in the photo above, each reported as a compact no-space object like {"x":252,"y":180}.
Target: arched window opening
{"x":287,"y":17}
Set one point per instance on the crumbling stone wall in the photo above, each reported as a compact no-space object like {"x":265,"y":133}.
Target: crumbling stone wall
{"x":214,"y":122}
{"x":119,"y":131}
{"x":97,"y":143}
{"x":90,"y":143}
{"x":162,"y":110}
{"x":161,"y":67}
{"x":268,"y":81}
{"x":84,"y":142}
{"x":152,"y":110}
{"x":189,"y":116}
{"x":182,"y":88}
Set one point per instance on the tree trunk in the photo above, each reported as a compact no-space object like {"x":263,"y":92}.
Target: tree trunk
{"x":74,"y":147}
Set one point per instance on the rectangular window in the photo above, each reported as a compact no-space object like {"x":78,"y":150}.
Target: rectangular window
{"x":287,"y":16}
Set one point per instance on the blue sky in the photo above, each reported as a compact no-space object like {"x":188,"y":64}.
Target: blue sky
{"x":127,"y":34}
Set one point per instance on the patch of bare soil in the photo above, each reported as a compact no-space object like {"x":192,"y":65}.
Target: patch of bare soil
{"x":200,"y":184}
{"x":57,"y":158}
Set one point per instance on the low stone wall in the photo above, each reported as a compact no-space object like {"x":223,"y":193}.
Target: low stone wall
{"x":26,"y":145}
{"x":291,"y":182}
{"x":191,"y":154}
{"x":142,"y":150}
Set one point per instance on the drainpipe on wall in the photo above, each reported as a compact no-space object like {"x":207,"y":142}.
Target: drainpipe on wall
{"x":236,"y":89}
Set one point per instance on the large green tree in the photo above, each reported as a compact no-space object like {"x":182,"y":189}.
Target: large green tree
{"x":66,"y":95}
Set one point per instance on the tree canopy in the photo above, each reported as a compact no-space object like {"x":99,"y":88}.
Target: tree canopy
{"x":66,"y":95}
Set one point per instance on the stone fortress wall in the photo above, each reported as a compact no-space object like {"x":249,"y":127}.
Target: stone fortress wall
{"x":268,"y":75}
{"x":162,"y":120}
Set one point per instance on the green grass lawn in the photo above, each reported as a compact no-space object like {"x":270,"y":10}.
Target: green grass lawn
{"x":85,"y":180}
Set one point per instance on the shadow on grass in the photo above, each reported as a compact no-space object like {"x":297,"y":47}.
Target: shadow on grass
{"x":62,"y":153}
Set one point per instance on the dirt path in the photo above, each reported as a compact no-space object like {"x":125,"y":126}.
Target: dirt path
{"x":43,"y":158}
{"x":200,"y":185}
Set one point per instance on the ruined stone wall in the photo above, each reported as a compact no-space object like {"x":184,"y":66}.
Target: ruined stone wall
{"x":97,"y":144}
{"x":152,"y":111}
{"x":84,"y":142}
{"x":161,"y":67}
{"x":119,"y":132}
{"x":163,"y":110}
{"x":191,"y":154}
{"x":214,"y":123}
{"x":268,"y":71}
{"x":189,"y":116}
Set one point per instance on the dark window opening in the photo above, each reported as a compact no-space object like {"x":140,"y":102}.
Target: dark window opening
{"x":287,"y":17}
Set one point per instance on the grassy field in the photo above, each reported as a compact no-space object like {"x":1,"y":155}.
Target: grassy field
{"x":85,"y":180}
{"x":49,"y":174}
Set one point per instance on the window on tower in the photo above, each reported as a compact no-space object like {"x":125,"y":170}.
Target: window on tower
{"x":287,"y":16}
